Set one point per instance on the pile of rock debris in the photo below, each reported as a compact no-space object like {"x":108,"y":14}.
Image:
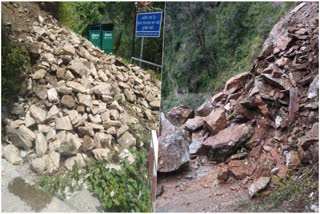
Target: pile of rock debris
{"x":77,"y":104}
{"x":263,"y":124}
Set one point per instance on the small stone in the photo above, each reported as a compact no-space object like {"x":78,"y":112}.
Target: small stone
{"x":102,"y":154}
{"x":53,"y":161}
{"x":84,"y":99}
{"x":258,"y":185}
{"x":52,"y":112}
{"x":11,"y":153}
{"x":63,"y":123}
{"x":39,"y":74}
{"x":79,"y":159}
{"x":122,"y":130}
{"x":88,"y":143}
{"x":53,"y":95}
{"x":38,"y":114}
{"x":127,"y":140}
{"x":39,"y":164}
{"x":68,"y":101}
{"x":155,"y":105}
{"x":41,"y":92}
{"x":41,"y":144}
{"x":77,"y":87}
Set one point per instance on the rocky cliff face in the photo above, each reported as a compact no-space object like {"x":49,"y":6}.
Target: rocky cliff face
{"x":78,"y":104}
{"x":264,"y":124}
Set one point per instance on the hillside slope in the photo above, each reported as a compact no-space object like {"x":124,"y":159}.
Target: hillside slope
{"x":258,"y":138}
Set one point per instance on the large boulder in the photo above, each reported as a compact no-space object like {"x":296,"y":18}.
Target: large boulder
{"x":180,"y":114}
{"x":237,"y":82}
{"x":173,"y":151}
{"x":227,"y":141}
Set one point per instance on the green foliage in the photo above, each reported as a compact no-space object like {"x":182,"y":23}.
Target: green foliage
{"x":190,"y":99}
{"x":125,"y":190}
{"x":206,"y":43}
{"x":62,"y":185}
{"x":14,"y":62}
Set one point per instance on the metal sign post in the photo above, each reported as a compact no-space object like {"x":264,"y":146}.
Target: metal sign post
{"x":141,"y":50}
{"x":148,"y":25}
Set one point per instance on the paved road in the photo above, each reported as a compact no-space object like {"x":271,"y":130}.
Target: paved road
{"x":19,"y":194}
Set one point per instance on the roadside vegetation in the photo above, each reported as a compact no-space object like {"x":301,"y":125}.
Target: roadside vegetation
{"x":15,"y":61}
{"x":119,"y":187}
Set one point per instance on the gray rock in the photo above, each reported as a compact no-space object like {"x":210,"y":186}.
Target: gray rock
{"x":77,"y":87}
{"x":11,"y":153}
{"x":258,"y":185}
{"x":122,"y":130}
{"x":102,"y":154}
{"x":39,"y":74}
{"x":51,"y":135}
{"x":102,"y":89}
{"x":314,"y":88}
{"x":78,"y":67}
{"x":173,"y":151}
{"x":39,"y":164}
{"x":41,"y":92}
{"x":74,"y":116}
{"x":127,"y":140}
{"x":38,"y":114}
{"x":63,"y":123}
{"x":84,"y":100}
{"x":52,"y":112}
{"x":87,"y":143}
{"x":27,"y":132}
{"x":19,"y":138}
{"x":29,"y":121}
{"x":129,"y":95}
{"x":53,"y":95}
{"x":68,"y":101}
{"x":102,"y":140}
{"x":53,"y":161}
{"x":79,"y":159}
{"x":55,"y":145}
{"x":155,"y":105}
{"x":41,"y":144}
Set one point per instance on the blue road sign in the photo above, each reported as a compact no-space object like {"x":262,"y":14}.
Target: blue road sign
{"x":148,"y":24}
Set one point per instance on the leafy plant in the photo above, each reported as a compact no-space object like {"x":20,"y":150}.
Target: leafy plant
{"x":124,"y":187}
{"x":15,"y":61}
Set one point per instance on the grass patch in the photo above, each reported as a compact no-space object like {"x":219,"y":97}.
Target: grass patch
{"x":290,"y":195}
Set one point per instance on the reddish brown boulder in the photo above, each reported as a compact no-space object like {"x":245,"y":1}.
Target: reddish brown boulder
{"x":228,"y":140}
{"x":276,"y":82}
{"x":216,"y":121}
{"x":217,"y":97}
{"x":205,"y":109}
{"x":173,"y":151}
{"x":236,"y":82}
{"x":180,"y":114}
{"x":283,"y":42}
{"x":240,"y":168}
{"x":311,"y":136}
{"x":293,"y":105}
{"x":195,"y":123}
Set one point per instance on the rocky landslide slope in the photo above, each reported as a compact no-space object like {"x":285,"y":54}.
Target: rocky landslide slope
{"x":264,"y":124}
{"x":77,"y":104}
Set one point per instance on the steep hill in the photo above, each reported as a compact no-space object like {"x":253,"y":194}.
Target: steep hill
{"x":257,"y":138}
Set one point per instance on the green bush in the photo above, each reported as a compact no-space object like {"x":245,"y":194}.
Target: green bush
{"x":125,"y":190}
{"x":15,"y":61}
